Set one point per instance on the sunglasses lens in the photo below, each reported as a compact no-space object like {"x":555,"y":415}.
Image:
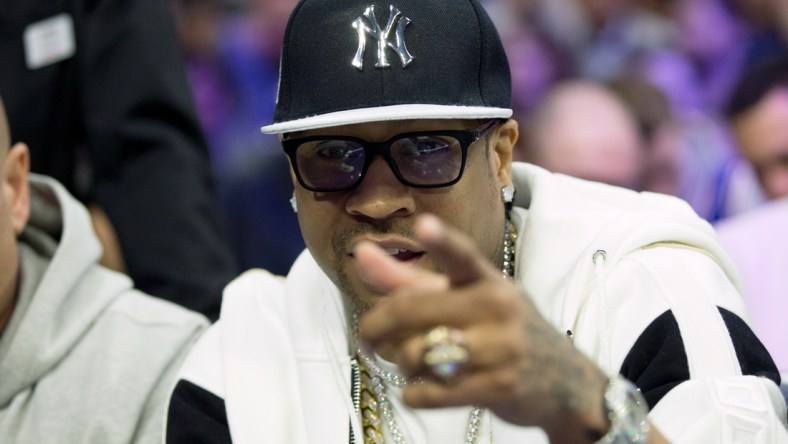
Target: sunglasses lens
{"x":428,"y":160}
{"x":330,"y":165}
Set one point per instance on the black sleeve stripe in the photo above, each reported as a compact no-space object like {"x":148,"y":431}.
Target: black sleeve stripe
{"x":753,"y":357}
{"x":196,"y":416}
{"x":657,"y":361}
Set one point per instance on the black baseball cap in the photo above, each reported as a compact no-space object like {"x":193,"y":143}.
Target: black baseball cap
{"x":357,"y":61}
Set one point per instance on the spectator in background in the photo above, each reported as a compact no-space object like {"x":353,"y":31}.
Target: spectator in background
{"x":583,"y":130}
{"x":758,"y":113}
{"x":98,"y":91}
{"x":663,"y":170}
{"x":689,"y":158}
{"x":696,"y":73}
{"x":84,"y":358}
{"x":757,"y":240}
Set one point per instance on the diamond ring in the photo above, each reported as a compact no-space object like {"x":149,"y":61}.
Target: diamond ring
{"x":445,"y":353}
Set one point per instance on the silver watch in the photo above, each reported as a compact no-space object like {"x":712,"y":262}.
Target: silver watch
{"x":627,"y":411}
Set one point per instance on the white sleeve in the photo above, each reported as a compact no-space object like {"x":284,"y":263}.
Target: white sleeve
{"x":738,"y":409}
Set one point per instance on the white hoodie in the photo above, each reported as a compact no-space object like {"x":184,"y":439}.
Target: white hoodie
{"x":85,"y":358}
{"x":638,"y":279}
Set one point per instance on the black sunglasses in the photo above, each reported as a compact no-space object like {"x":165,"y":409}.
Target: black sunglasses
{"x":423,"y":159}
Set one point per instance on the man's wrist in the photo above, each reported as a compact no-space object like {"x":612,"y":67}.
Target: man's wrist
{"x":627,"y":411}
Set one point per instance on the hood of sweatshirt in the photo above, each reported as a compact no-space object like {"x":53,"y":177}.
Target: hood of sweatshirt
{"x":60,"y":295}
{"x":570,"y":224}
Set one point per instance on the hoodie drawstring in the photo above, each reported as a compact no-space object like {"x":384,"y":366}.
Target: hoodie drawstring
{"x":599,"y":258}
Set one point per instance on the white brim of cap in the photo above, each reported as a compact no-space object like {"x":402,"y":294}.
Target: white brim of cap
{"x":385,"y":113}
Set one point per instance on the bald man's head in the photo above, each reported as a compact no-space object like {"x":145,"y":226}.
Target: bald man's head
{"x":582,"y":129}
{"x":14,"y":213}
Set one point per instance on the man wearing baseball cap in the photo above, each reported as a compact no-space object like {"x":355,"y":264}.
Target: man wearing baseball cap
{"x":433,"y":303}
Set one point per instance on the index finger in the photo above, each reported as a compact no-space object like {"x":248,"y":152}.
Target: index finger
{"x":456,"y":254}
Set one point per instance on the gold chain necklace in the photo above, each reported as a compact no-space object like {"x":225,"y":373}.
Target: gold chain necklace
{"x":373,"y":404}
{"x":375,"y":409}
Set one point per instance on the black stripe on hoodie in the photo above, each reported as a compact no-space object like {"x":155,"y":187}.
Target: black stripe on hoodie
{"x":657,"y":361}
{"x":196,"y":416}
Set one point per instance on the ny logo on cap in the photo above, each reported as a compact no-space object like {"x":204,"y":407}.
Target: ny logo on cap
{"x":368,"y":24}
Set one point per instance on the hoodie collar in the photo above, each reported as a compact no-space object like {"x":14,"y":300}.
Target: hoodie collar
{"x":59,"y":293}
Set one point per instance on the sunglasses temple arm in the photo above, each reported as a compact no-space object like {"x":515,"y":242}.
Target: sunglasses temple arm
{"x":486,"y":127}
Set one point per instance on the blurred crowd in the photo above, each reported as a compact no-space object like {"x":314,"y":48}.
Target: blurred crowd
{"x":639,"y":93}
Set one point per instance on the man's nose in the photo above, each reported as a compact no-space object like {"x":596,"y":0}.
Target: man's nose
{"x":380,"y":195}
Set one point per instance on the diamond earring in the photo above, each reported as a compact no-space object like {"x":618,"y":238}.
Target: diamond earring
{"x":294,"y":204}
{"x":507,"y":196}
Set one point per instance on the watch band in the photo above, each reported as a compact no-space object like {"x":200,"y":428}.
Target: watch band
{"x":627,"y":410}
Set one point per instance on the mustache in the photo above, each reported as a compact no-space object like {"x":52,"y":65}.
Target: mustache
{"x":342,"y":239}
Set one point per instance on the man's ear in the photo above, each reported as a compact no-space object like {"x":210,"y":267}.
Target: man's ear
{"x":16,"y":168}
{"x":503,"y":150}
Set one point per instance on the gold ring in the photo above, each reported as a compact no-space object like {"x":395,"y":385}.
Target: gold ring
{"x":445,"y":353}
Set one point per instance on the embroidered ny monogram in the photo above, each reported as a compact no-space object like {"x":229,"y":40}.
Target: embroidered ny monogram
{"x":368,"y":24}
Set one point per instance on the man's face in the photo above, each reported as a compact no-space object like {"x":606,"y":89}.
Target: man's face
{"x":763,"y":139}
{"x":382,"y":210}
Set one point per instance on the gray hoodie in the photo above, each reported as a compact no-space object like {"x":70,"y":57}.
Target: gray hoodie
{"x":85,"y":358}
